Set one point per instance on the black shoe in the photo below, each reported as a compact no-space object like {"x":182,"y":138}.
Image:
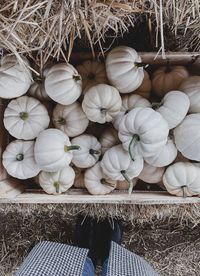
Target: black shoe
{"x":106,"y":232}
{"x":85,"y":236}
{"x":117,"y":232}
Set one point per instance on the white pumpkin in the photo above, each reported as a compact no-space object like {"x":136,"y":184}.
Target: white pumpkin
{"x":182,"y":179}
{"x":92,"y":73}
{"x":57,"y":182}
{"x":117,"y":165}
{"x":151,"y":174}
{"x":165,"y":156}
{"x":63,"y":84}
{"x":191,"y":86}
{"x":109,"y":139}
{"x":173,"y":107}
{"x":168,"y":78}
{"x":187,"y":137}
{"x":143,"y":132}
{"x":123,"y":67}
{"x":25,"y":118}
{"x":102,"y":103}
{"x":89,"y":152}
{"x":70,"y":119}
{"x":53,"y":150}
{"x":15,"y":79}
{"x":129,"y":102}
{"x":18,"y":159}
{"x":144,"y":89}
{"x":79,"y":177}
{"x":123,"y":184}
{"x":96,"y":182}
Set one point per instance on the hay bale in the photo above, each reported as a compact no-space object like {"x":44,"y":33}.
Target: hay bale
{"x":44,"y":29}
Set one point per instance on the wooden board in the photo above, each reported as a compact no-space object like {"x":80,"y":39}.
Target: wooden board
{"x":176,"y":58}
{"x":10,"y":188}
{"x":116,"y":197}
{"x":3,"y":141}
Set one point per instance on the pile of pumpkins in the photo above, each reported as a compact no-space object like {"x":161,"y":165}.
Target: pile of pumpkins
{"x":156,"y":142}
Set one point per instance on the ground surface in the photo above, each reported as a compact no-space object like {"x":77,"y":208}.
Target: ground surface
{"x":172,"y":248}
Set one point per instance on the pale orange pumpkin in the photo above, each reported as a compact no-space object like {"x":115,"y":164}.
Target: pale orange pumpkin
{"x":167,"y":78}
{"x":145,"y":88}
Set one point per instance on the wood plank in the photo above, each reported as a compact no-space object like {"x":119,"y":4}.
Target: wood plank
{"x":181,"y":58}
{"x":3,"y":140}
{"x":116,"y":197}
{"x":10,"y":188}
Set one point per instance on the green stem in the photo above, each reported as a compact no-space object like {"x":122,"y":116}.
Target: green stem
{"x":132,"y":143}
{"x":77,"y":77}
{"x":57,"y":186}
{"x":104,"y":182}
{"x":24,"y":115}
{"x":93,"y":152}
{"x":61,"y":121}
{"x":72,"y":147}
{"x":184,"y":191}
{"x":156,"y":105}
{"x":171,"y":134}
{"x":129,"y":181}
{"x":141,"y":64}
{"x":20,"y":157}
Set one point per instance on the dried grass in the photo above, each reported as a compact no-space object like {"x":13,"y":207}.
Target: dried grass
{"x":42,"y":29}
{"x":170,"y":241}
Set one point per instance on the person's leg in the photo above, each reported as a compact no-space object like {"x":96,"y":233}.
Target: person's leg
{"x":120,"y":261}
{"x":104,"y":270}
{"x":88,"y":269}
{"x":50,"y":258}
{"x":123,"y":262}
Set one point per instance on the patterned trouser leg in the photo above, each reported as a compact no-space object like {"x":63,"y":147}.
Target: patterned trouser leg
{"x":122,"y":262}
{"x":53,"y":259}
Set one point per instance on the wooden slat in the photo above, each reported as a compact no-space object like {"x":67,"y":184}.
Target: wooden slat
{"x":10,"y":188}
{"x":3,"y":141}
{"x":181,"y":58}
{"x":116,"y":197}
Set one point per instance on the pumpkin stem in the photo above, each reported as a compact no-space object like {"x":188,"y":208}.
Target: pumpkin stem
{"x":39,"y":78}
{"x":104,"y":182}
{"x":24,"y":115}
{"x":141,"y":64}
{"x":61,"y":121}
{"x":133,"y":141}
{"x":103,"y":111}
{"x":77,"y":77}
{"x":20,"y":157}
{"x":156,"y":105}
{"x":72,"y":147}
{"x":93,"y":152}
{"x":57,"y":186}
{"x":184,"y":191}
{"x":168,"y":68}
{"x":171,"y":134}
{"x":129,"y":181}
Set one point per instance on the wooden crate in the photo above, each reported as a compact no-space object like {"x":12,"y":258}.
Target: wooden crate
{"x":13,"y":191}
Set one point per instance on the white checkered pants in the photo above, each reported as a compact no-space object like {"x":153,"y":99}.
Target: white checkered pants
{"x":55,"y":259}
